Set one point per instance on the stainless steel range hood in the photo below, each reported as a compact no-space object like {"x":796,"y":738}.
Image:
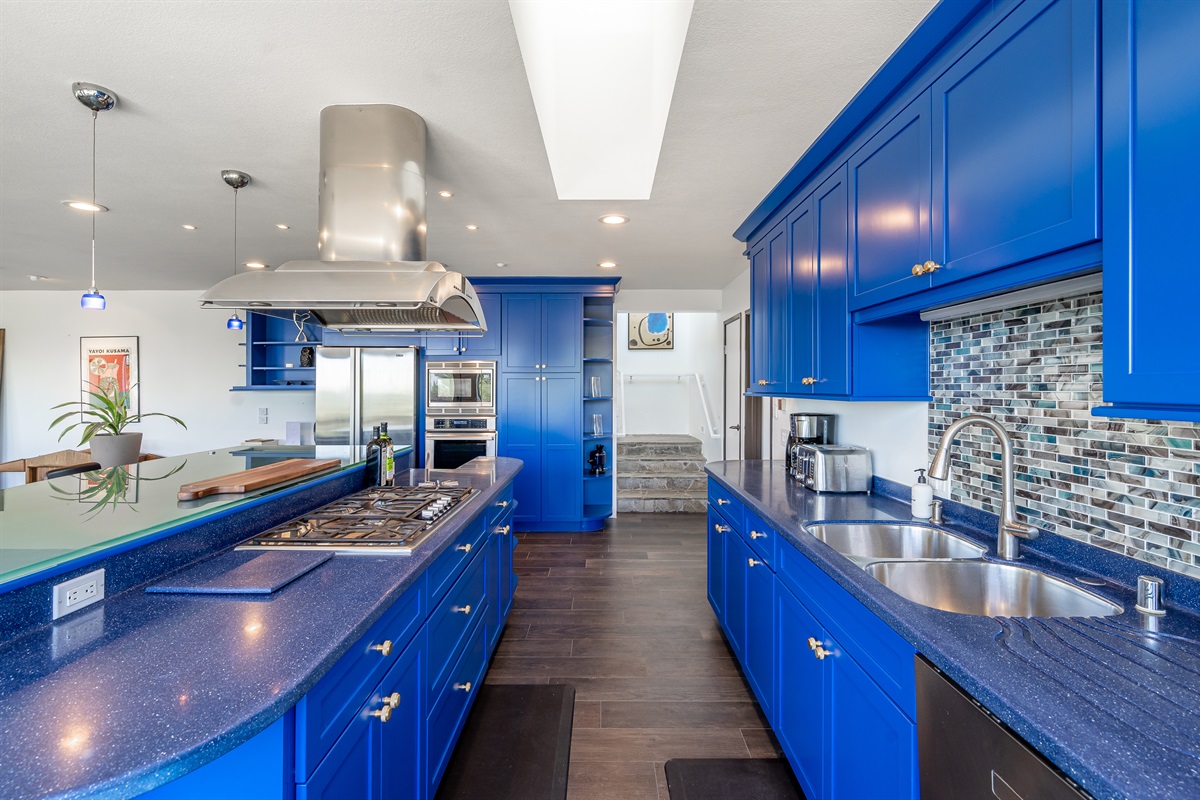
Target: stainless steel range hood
{"x":372,"y":274}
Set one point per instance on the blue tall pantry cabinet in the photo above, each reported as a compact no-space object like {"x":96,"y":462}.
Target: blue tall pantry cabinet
{"x":542,"y":408}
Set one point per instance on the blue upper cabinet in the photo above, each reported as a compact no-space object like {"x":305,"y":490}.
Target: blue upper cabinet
{"x":769,"y":288}
{"x":1151,"y":129}
{"x":542,"y":332}
{"x":468,"y":346}
{"x":1015,"y":142}
{"x":801,"y":298}
{"x":890,"y":183}
{"x":522,"y":331}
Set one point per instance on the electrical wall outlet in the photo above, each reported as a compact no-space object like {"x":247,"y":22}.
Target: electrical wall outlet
{"x":78,"y":593}
{"x":262,"y":416}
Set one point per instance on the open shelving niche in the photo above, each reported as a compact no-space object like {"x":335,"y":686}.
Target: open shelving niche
{"x":599,"y":491}
{"x":269,"y":347}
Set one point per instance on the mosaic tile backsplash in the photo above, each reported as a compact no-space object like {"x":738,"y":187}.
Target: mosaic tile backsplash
{"x":1129,"y":486}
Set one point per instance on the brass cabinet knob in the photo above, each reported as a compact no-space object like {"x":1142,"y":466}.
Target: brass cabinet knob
{"x":753,"y":562}
{"x":757,"y":535}
{"x":384,"y":713}
{"x":808,"y":381}
{"x":719,"y":528}
{"x":466,"y":687}
{"x":466,"y":548}
{"x":505,"y":529}
{"x":762,"y":382}
{"x":821,"y":652}
{"x":393,"y":700}
{"x":503,"y":504}
{"x":918,"y":270}
{"x":462,"y":609}
{"x":385,"y":648}
{"x":931,"y":266}
{"x":813,"y":643}
{"x":721,"y":501}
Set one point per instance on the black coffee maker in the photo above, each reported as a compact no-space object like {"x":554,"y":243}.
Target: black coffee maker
{"x":598,"y":459}
{"x":807,"y":429}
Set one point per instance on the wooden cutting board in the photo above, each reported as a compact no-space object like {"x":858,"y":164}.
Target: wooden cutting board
{"x":251,"y":479}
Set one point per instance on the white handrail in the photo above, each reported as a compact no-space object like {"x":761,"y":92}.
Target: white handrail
{"x":713,"y":432}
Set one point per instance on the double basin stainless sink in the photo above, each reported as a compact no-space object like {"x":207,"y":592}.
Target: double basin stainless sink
{"x":941,"y":570}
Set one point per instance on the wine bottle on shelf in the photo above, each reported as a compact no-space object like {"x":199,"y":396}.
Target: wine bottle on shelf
{"x":375,"y":458}
{"x":387,"y":454}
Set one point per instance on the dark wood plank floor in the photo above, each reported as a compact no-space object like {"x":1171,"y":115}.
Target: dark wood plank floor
{"x":623,"y":616}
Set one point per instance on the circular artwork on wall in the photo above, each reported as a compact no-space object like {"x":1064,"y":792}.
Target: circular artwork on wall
{"x":652,"y":331}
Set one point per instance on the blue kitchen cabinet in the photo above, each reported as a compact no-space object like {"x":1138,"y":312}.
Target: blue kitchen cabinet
{"x":760,"y":632}
{"x":736,"y":555}
{"x":1015,"y":155}
{"x":352,"y":767}
{"x":769,"y":308}
{"x":802,"y":298}
{"x":801,"y":694}
{"x":542,"y":332}
{"x":469,"y":346}
{"x":1151,"y":127}
{"x":718,"y":531}
{"x":500,"y":577}
{"x":890,"y":187}
{"x":271,"y":346}
{"x":520,"y":436}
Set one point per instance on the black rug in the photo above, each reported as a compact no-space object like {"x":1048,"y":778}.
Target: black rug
{"x":514,"y":746}
{"x":727,"y":778}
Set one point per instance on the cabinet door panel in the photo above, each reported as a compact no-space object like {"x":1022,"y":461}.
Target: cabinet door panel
{"x":716,"y":563}
{"x":890,"y":208}
{"x":736,"y":553}
{"x":562,"y":332}
{"x":352,"y":767}
{"x":487,"y":345}
{"x":401,"y":754}
{"x":866,"y":727}
{"x":802,"y":299}
{"x":777,"y":255}
{"x":1015,"y":142}
{"x":800,"y":709}
{"x":562,"y":449}
{"x":760,"y":337}
{"x":522,"y":331}
{"x":520,"y":437}
{"x":832,"y":352}
{"x":760,"y":634}
{"x":1151,"y":127}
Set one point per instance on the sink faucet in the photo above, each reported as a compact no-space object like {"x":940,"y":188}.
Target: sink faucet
{"x":1007,"y":545}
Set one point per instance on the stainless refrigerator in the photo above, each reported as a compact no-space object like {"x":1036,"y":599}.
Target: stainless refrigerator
{"x":360,"y":387}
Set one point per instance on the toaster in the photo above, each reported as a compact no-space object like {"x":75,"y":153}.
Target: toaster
{"x":832,"y":467}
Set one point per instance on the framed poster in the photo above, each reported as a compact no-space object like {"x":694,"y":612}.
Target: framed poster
{"x":109,"y":364}
{"x":653,"y":331}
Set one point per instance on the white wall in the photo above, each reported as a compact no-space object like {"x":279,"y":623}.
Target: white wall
{"x":668,"y":405}
{"x":675,"y":300}
{"x":189,"y":360}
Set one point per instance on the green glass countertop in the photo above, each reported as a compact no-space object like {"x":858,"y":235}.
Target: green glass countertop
{"x":47,"y":523}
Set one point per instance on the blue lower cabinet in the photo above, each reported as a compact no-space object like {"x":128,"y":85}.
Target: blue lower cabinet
{"x":736,"y":573}
{"x":801,"y":696}
{"x":499,"y":578}
{"x":718,"y":531}
{"x":402,"y":747}
{"x":760,"y":632}
{"x":352,"y":768}
{"x":449,"y":708}
{"x":260,"y":768}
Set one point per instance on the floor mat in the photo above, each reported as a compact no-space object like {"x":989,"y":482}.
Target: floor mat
{"x":515,"y":745}
{"x":724,"y":778}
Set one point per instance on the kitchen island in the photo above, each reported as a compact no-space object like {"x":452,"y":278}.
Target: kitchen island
{"x":1111,"y":701}
{"x":140,"y":689}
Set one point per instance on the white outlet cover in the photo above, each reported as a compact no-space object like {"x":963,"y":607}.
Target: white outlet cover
{"x":60,"y":606}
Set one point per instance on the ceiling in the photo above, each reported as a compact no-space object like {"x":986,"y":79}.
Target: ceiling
{"x":206,"y":86}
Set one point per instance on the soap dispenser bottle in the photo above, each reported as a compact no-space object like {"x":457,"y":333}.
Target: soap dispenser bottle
{"x":922,"y":497}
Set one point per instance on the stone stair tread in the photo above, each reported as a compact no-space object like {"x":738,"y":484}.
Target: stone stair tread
{"x":698,"y":493}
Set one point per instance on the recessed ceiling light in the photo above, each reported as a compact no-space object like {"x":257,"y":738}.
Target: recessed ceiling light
{"x":36,"y":278}
{"x":501,"y":263}
{"x":84,"y":205}
{"x":472,"y":227}
{"x":614,"y":219}
{"x":607,"y":264}
{"x":255,"y":265}
{"x":189,"y":227}
{"x":445,"y":193}
{"x":282,"y":227}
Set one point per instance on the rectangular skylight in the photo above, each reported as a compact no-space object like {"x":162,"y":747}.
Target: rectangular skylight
{"x":602,"y":73}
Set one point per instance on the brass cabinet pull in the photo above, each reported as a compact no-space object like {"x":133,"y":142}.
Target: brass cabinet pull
{"x":462,"y":609}
{"x":819,"y":651}
{"x":808,"y":381}
{"x":721,"y":501}
{"x":754,"y":562}
{"x":505,"y":529}
{"x":503,"y":504}
{"x":385,"y":648}
{"x":719,"y":528}
{"x":762,"y":382}
{"x":466,"y":687}
{"x":393,"y":700}
{"x":757,"y":535}
{"x":384,"y":713}
{"x":812,"y":643}
{"x":924,"y":269}
{"x":466,"y":548}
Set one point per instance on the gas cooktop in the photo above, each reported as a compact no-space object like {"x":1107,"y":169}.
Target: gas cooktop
{"x":379,"y":520}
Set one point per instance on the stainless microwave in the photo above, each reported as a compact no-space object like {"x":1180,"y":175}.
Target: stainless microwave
{"x":460,"y":387}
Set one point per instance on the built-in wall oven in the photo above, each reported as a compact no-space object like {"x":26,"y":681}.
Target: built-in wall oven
{"x":460,"y":388}
{"x":451,"y":442}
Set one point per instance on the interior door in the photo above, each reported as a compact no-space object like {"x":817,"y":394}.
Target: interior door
{"x":734,"y":387}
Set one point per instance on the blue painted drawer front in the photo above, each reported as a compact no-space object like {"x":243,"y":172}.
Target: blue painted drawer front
{"x":801,"y":694}
{"x":450,"y":619}
{"x":761,"y":537}
{"x":450,"y":708}
{"x":880,"y":650}
{"x":502,"y":505}
{"x":351,"y":769}
{"x":716,"y":560}
{"x":890,"y":186}
{"x":1015,"y":156}
{"x":730,"y":507}
{"x":454,"y":560}
{"x":324,"y":712}
{"x":1151,"y":127}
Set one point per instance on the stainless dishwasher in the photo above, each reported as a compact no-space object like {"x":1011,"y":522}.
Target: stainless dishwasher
{"x":966,"y":753}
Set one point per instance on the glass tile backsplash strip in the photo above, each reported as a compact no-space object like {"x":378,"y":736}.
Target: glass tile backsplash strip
{"x":1130,"y":486}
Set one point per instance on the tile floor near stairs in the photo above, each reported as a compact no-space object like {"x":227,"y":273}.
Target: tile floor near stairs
{"x":623,"y":616}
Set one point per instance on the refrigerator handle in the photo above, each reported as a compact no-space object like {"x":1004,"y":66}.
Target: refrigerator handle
{"x":356,"y":400}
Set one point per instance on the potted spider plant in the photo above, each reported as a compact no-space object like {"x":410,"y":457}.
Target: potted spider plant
{"x":108,"y":488}
{"x":104,"y":418}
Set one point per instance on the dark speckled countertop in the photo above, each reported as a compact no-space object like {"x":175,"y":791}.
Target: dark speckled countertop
{"x":1116,"y":706}
{"x":156,"y":685}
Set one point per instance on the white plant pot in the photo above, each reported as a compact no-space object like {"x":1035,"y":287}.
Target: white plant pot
{"x":115,"y":451}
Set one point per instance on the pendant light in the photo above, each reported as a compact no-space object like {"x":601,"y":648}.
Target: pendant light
{"x":237,"y":180}
{"x":98,"y":99}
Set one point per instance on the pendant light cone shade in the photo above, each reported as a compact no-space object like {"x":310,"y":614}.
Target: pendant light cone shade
{"x":238,"y":180}
{"x":97,"y":99}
